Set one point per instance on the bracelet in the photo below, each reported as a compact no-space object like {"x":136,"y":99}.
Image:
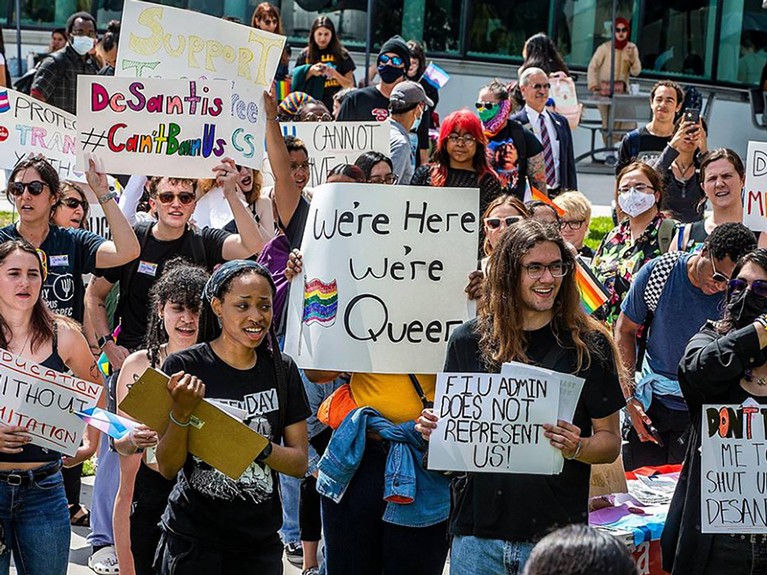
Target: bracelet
{"x":762,"y":320}
{"x":577,"y":451}
{"x":177,"y":422}
{"x":272,"y":119}
{"x":265,"y":453}
{"x":106,"y":197}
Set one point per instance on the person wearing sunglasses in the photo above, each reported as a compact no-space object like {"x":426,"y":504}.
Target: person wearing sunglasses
{"x":574,"y":224}
{"x":502,"y":213}
{"x":33,"y":189}
{"x":724,"y":363}
{"x":372,"y":102}
{"x":551,"y":129}
{"x":514,"y":152}
{"x":267,"y":17}
{"x":670,"y":299}
{"x":71,"y":209}
{"x":174,"y":201}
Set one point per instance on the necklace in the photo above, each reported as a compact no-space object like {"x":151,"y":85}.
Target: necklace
{"x":682,"y":168}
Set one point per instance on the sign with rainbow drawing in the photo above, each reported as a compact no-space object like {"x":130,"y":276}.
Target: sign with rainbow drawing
{"x":385,"y":269}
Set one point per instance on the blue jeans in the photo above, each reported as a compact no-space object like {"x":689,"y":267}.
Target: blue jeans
{"x":290,"y":489}
{"x":35,"y":521}
{"x":471,"y":555}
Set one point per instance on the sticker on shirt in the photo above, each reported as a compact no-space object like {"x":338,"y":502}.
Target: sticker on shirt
{"x":147,"y":268}
{"x":62,"y":260}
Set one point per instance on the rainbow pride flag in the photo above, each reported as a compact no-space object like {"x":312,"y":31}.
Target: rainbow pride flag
{"x":282,"y":89}
{"x":320,"y":302}
{"x":5,"y":103}
{"x":593,"y":293}
{"x":541,"y":197}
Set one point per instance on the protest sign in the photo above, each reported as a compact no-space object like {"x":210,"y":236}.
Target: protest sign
{"x":176,"y":128}
{"x":28,"y":126}
{"x":331,"y":143}
{"x":165,"y":42}
{"x":385,"y":269}
{"x":754,"y":200}
{"x":494,"y":422}
{"x":733,"y":468}
{"x":44,"y":401}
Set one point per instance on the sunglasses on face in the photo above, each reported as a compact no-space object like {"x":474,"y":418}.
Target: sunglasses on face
{"x":737,"y":285}
{"x":538,"y":87}
{"x":268,"y":21}
{"x":718,"y":277}
{"x":73,"y":203}
{"x":34,"y":187}
{"x":619,"y":30}
{"x":395,"y":61}
{"x":167,"y":198}
{"x":485,"y":105}
{"x":495,"y":223}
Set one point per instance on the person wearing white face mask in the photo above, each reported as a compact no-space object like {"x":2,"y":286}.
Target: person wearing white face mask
{"x":56,"y":79}
{"x":644,"y":234}
{"x":407,"y":103}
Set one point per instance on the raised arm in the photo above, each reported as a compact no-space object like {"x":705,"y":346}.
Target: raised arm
{"x":286,"y":193}
{"x":96,"y":307}
{"x":131,"y":196}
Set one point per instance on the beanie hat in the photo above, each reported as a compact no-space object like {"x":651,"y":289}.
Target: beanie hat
{"x":398,"y":46}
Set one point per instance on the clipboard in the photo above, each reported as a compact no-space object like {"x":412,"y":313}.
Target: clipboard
{"x":216,"y":437}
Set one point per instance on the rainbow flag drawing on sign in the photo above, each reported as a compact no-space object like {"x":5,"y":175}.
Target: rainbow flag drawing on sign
{"x":320,"y":302}
{"x":541,"y":197}
{"x":593,"y":293}
{"x":435,"y":75}
{"x":5,"y":103}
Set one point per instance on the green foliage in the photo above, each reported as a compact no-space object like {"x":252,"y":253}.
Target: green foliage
{"x":89,"y":467}
{"x":598,"y":229}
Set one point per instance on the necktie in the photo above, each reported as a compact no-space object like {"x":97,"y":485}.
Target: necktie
{"x":548,"y":155}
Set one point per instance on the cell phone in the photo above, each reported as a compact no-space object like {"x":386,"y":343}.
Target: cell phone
{"x":692,"y":115}
{"x":656,"y":435}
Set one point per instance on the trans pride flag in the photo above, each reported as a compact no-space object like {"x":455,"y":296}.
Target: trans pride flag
{"x":435,"y":75}
{"x":320,"y":302}
{"x":5,"y":103}
{"x":112,"y":424}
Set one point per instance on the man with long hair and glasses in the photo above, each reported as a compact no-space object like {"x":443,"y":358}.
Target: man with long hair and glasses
{"x":670,"y":298}
{"x":532,"y":314}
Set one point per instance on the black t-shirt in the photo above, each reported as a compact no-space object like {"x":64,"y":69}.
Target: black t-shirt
{"x":69,"y":254}
{"x":295,"y":228}
{"x":521,"y":507}
{"x":344,"y":65}
{"x":364,"y":105}
{"x":140,"y":275}
{"x":513,"y":174}
{"x":649,"y":148}
{"x":206,"y":505}
{"x":488,"y":184}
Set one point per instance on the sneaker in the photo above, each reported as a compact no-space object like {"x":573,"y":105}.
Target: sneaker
{"x":311,"y":571}
{"x":295,"y":553}
{"x":104,"y":561}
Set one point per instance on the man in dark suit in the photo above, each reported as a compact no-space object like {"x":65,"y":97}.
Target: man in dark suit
{"x":551,"y":129}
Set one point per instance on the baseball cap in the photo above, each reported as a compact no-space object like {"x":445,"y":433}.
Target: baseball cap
{"x":406,"y":95}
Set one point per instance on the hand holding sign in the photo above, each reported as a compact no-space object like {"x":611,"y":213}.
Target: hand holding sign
{"x":227,"y":176}
{"x":187,"y":391}
{"x":426,"y":423}
{"x":97,"y":182}
{"x":13,"y":438}
{"x":564,"y":436}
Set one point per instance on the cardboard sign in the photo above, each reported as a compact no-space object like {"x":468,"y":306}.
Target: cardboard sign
{"x":44,"y":401}
{"x":385,"y":269}
{"x":176,"y":128}
{"x":493,"y":423}
{"x":733,"y":468}
{"x":164,"y":42}
{"x":216,"y":437}
{"x":755,"y":192}
{"x":331,"y":143}
{"x":30,"y":126}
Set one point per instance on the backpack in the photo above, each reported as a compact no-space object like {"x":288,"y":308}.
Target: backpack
{"x":24,"y":84}
{"x":666,"y":233}
{"x":633,"y":139}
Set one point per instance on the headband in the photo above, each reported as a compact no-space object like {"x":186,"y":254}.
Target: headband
{"x":226,"y":271}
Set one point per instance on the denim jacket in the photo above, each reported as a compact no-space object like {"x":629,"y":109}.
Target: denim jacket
{"x":416,"y":497}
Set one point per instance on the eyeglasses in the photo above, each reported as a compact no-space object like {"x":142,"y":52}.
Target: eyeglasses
{"x":621,"y":30}
{"x":268,"y":21}
{"x":388,"y":179}
{"x":556,"y":269}
{"x":312,"y":117}
{"x":166,"y":198}
{"x":485,"y":105}
{"x":35,"y":188}
{"x":385,"y":59}
{"x":495,"y":223}
{"x":73,"y":203}
{"x":572,"y":224}
{"x":466,"y":139}
{"x":718,"y":277}
{"x":639,"y":188}
{"x":303,"y":166}
{"x":537,"y":87}
{"x":757,"y":287}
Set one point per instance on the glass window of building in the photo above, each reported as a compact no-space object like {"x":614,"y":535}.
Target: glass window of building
{"x":499,"y":29}
{"x":743,"y":42}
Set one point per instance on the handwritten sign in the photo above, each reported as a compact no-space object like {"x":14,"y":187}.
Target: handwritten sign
{"x":30,"y":126}
{"x":177,"y":128}
{"x":385,"y":271}
{"x":331,"y":143}
{"x":755,"y":193}
{"x":44,"y":401}
{"x":733,"y":468}
{"x":164,"y":42}
{"x":494,"y":422}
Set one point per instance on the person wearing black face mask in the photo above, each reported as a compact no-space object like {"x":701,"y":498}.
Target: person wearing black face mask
{"x":372,"y":102}
{"x":725,"y":363}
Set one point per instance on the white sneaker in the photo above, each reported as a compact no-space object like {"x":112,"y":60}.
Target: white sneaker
{"x":104,"y":561}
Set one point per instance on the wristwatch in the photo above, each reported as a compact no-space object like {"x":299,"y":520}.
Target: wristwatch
{"x":266,"y":452}
{"x":104,"y":339}
{"x":110,"y":195}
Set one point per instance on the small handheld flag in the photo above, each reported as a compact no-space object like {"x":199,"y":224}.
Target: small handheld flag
{"x":593,"y":293}
{"x":435,"y":75}
{"x":541,"y":197}
{"x":112,"y":424}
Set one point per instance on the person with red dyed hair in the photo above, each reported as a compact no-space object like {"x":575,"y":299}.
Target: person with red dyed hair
{"x":461,"y":159}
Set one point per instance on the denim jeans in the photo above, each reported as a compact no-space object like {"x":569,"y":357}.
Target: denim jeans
{"x":471,"y":555}
{"x":35,"y":522}
{"x":290,"y":489}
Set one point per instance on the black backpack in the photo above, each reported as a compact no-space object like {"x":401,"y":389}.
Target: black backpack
{"x":24,"y":84}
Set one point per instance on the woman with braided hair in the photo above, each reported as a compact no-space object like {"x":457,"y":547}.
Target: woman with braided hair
{"x":214,"y":524}
{"x":175,"y":301}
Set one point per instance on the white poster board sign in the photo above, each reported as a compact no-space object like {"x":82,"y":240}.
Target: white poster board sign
{"x":44,"y":401}
{"x":385,"y":269}
{"x":165,"y":42}
{"x":333,"y":143}
{"x":493,"y":423}
{"x":755,"y":192}
{"x":176,"y":128}
{"x":29,"y":126}
{"x":733,"y":468}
